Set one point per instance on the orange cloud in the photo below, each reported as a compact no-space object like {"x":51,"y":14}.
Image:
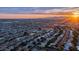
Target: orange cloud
{"x":15,"y":16}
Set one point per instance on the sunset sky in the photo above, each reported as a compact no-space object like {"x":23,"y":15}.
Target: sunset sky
{"x":34,"y":12}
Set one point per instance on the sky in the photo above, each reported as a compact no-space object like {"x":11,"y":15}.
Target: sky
{"x":32,"y":12}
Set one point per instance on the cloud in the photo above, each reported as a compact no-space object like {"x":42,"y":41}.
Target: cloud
{"x":59,"y":10}
{"x":36,"y":9}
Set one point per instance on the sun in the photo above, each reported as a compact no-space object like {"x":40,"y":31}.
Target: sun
{"x":74,"y":17}
{"x":76,"y":14}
